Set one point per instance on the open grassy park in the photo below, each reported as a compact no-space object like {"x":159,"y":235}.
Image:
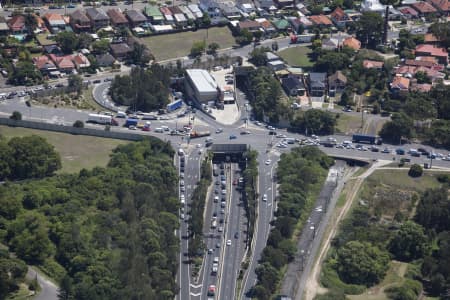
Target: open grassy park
{"x":179,"y":44}
{"x":77,"y":151}
{"x":298,"y":56}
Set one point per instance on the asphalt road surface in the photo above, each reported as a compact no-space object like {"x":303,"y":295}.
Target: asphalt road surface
{"x":49,"y":291}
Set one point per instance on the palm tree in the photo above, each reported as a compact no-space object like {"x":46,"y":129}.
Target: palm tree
{"x":30,"y":23}
{"x":386,"y":17}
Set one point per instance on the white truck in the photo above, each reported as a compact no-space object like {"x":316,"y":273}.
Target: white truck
{"x":101,"y":119}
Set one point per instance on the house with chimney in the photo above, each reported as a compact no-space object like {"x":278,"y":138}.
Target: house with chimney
{"x":79,"y":21}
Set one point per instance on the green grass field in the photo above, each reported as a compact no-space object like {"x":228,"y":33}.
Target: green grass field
{"x":348,"y":123}
{"x":77,"y":151}
{"x":399,"y":179}
{"x":298,"y":56}
{"x":179,"y":44}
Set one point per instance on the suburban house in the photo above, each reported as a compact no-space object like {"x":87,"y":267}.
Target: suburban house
{"x":98,"y":18}
{"x":135,"y":18}
{"x":336,"y":83}
{"x":229,"y":10}
{"x":117,"y":17}
{"x":430,"y":50}
{"x":79,"y":21}
{"x":250,"y":25}
{"x":430,"y":38}
{"x":424,"y":8}
{"x":340,"y":18}
{"x":321,"y":21}
{"x":424,"y":61}
{"x":40,"y":25}
{"x":400,"y":85}
{"x":408,"y":12}
{"x":168,"y":16}
{"x":293,"y":86}
{"x":246,"y":7}
{"x":276,"y":65}
{"x":352,"y":43}
{"x":81,"y":61}
{"x":317,"y":84}
{"x":281,"y":24}
{"x":335,"y":41}
{"x":55,"y":22}
{"x":44,"y":64}
{"x":189,"y":15}
{"x":17,"y":24}
{"x":120,"y":51}
{"x":372,"y":64}
{"x":443,"y":6}
{"x":421,"y":87}
{"x":153,"y":14}
{"x":105,"y":60}
{"x":64,"y":63}
{"x":52,"y":49}
{"x":265,"y":5}
{"x":211,"y":7}
{"x":269,"y":29}
{"x":195,"y":10}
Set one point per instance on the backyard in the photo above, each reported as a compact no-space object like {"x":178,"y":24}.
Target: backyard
{"x":175,"y":45}
{"x":299,"y":56}
{"x":77,"y":151}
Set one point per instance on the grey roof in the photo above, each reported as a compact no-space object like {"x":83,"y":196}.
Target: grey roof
{"x":292,"y":82}
{"x":135,"y":16}
{"x":96,"y":14}
{"x":105,"y":59}
{"x":79,"y":15}
{"x":120,"y":48}
{"x":270,"y":56}
{"x":202,"y":80}
{"x":317,"y":79}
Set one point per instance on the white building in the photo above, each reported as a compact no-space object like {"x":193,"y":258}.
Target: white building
{"x":201,"y":86}
{"x":373,"y":6}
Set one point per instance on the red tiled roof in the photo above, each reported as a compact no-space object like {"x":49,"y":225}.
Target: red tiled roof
{"x":409,"y":11}
{"x":53,"y":17}
{"x":432,"y":50}
{"x":401,"y":83}
{"x":320,"y":20}
{"x":117,"y":17}
{"x":248,"y":24}
{"x":352,"y":42}
{"x":372,"y":64}
{"x":165,"y":10}
{"x":423,"y":7}
{"x":63,"y":62}
{"x":338,"y":14}
{"x":421,"y":87}
{"x":41,"y":61}
{"x":443,"y":5}
{"x":17,"y":23}
{"x":430,"y":38}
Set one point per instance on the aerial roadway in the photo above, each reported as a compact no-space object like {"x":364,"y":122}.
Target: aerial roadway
{"x":269,"y":147}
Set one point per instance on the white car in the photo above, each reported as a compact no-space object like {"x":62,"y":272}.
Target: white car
{"x":229,"y":243}
{"x":268,"y":162}
{"x":199,"y":145}
{"x":219,"y":130}
{"x":224,"y":192}
{"x":264,"y":198}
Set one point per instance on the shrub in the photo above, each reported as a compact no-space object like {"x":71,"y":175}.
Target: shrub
{"x":415,"y":171}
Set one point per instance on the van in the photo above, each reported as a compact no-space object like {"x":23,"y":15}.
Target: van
{"x":159,"y":130}
{"x":165,"y":128}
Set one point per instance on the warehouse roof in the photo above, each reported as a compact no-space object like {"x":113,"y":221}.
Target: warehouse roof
{"x":203,"y":81}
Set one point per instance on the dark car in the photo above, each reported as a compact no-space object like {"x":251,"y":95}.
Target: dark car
{"x":236,"y":235}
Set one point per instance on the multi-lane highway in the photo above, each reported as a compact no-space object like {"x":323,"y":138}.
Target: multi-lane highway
{"x":259,"y":140}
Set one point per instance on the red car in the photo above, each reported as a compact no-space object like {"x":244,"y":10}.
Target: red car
{"x":235,"y":182}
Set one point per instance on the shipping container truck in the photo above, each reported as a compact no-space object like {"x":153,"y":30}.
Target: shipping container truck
{"x":198,"y":134}
{"x":366,"y":138}
{"x":174,"y":105}
{"x":131,"y":122}
{"x":101,"y":119}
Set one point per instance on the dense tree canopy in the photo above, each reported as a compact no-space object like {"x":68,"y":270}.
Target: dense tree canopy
{"x":293,"y":199}
{"x":143,"y":90}
{"x":401,"y":126}
{"x":315,"y":121}
{"x":105,"y":233}
{"x":409,"y":243}
{"x":27,"y":157}
{"x":362,"y":263}
{"x":370,"y":28}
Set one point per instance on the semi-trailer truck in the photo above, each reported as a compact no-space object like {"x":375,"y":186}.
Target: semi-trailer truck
{"x":174,"y":105}
{"x":367,"y":138}
{"x":198,"y":134}
{"x":131,"y":122}
{"x":102,"y":119}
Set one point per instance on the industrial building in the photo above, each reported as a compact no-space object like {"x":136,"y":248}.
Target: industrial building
{"x":201,"y":86}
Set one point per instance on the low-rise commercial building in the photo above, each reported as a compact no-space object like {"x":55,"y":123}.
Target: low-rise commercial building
{"x":201,"y":86}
